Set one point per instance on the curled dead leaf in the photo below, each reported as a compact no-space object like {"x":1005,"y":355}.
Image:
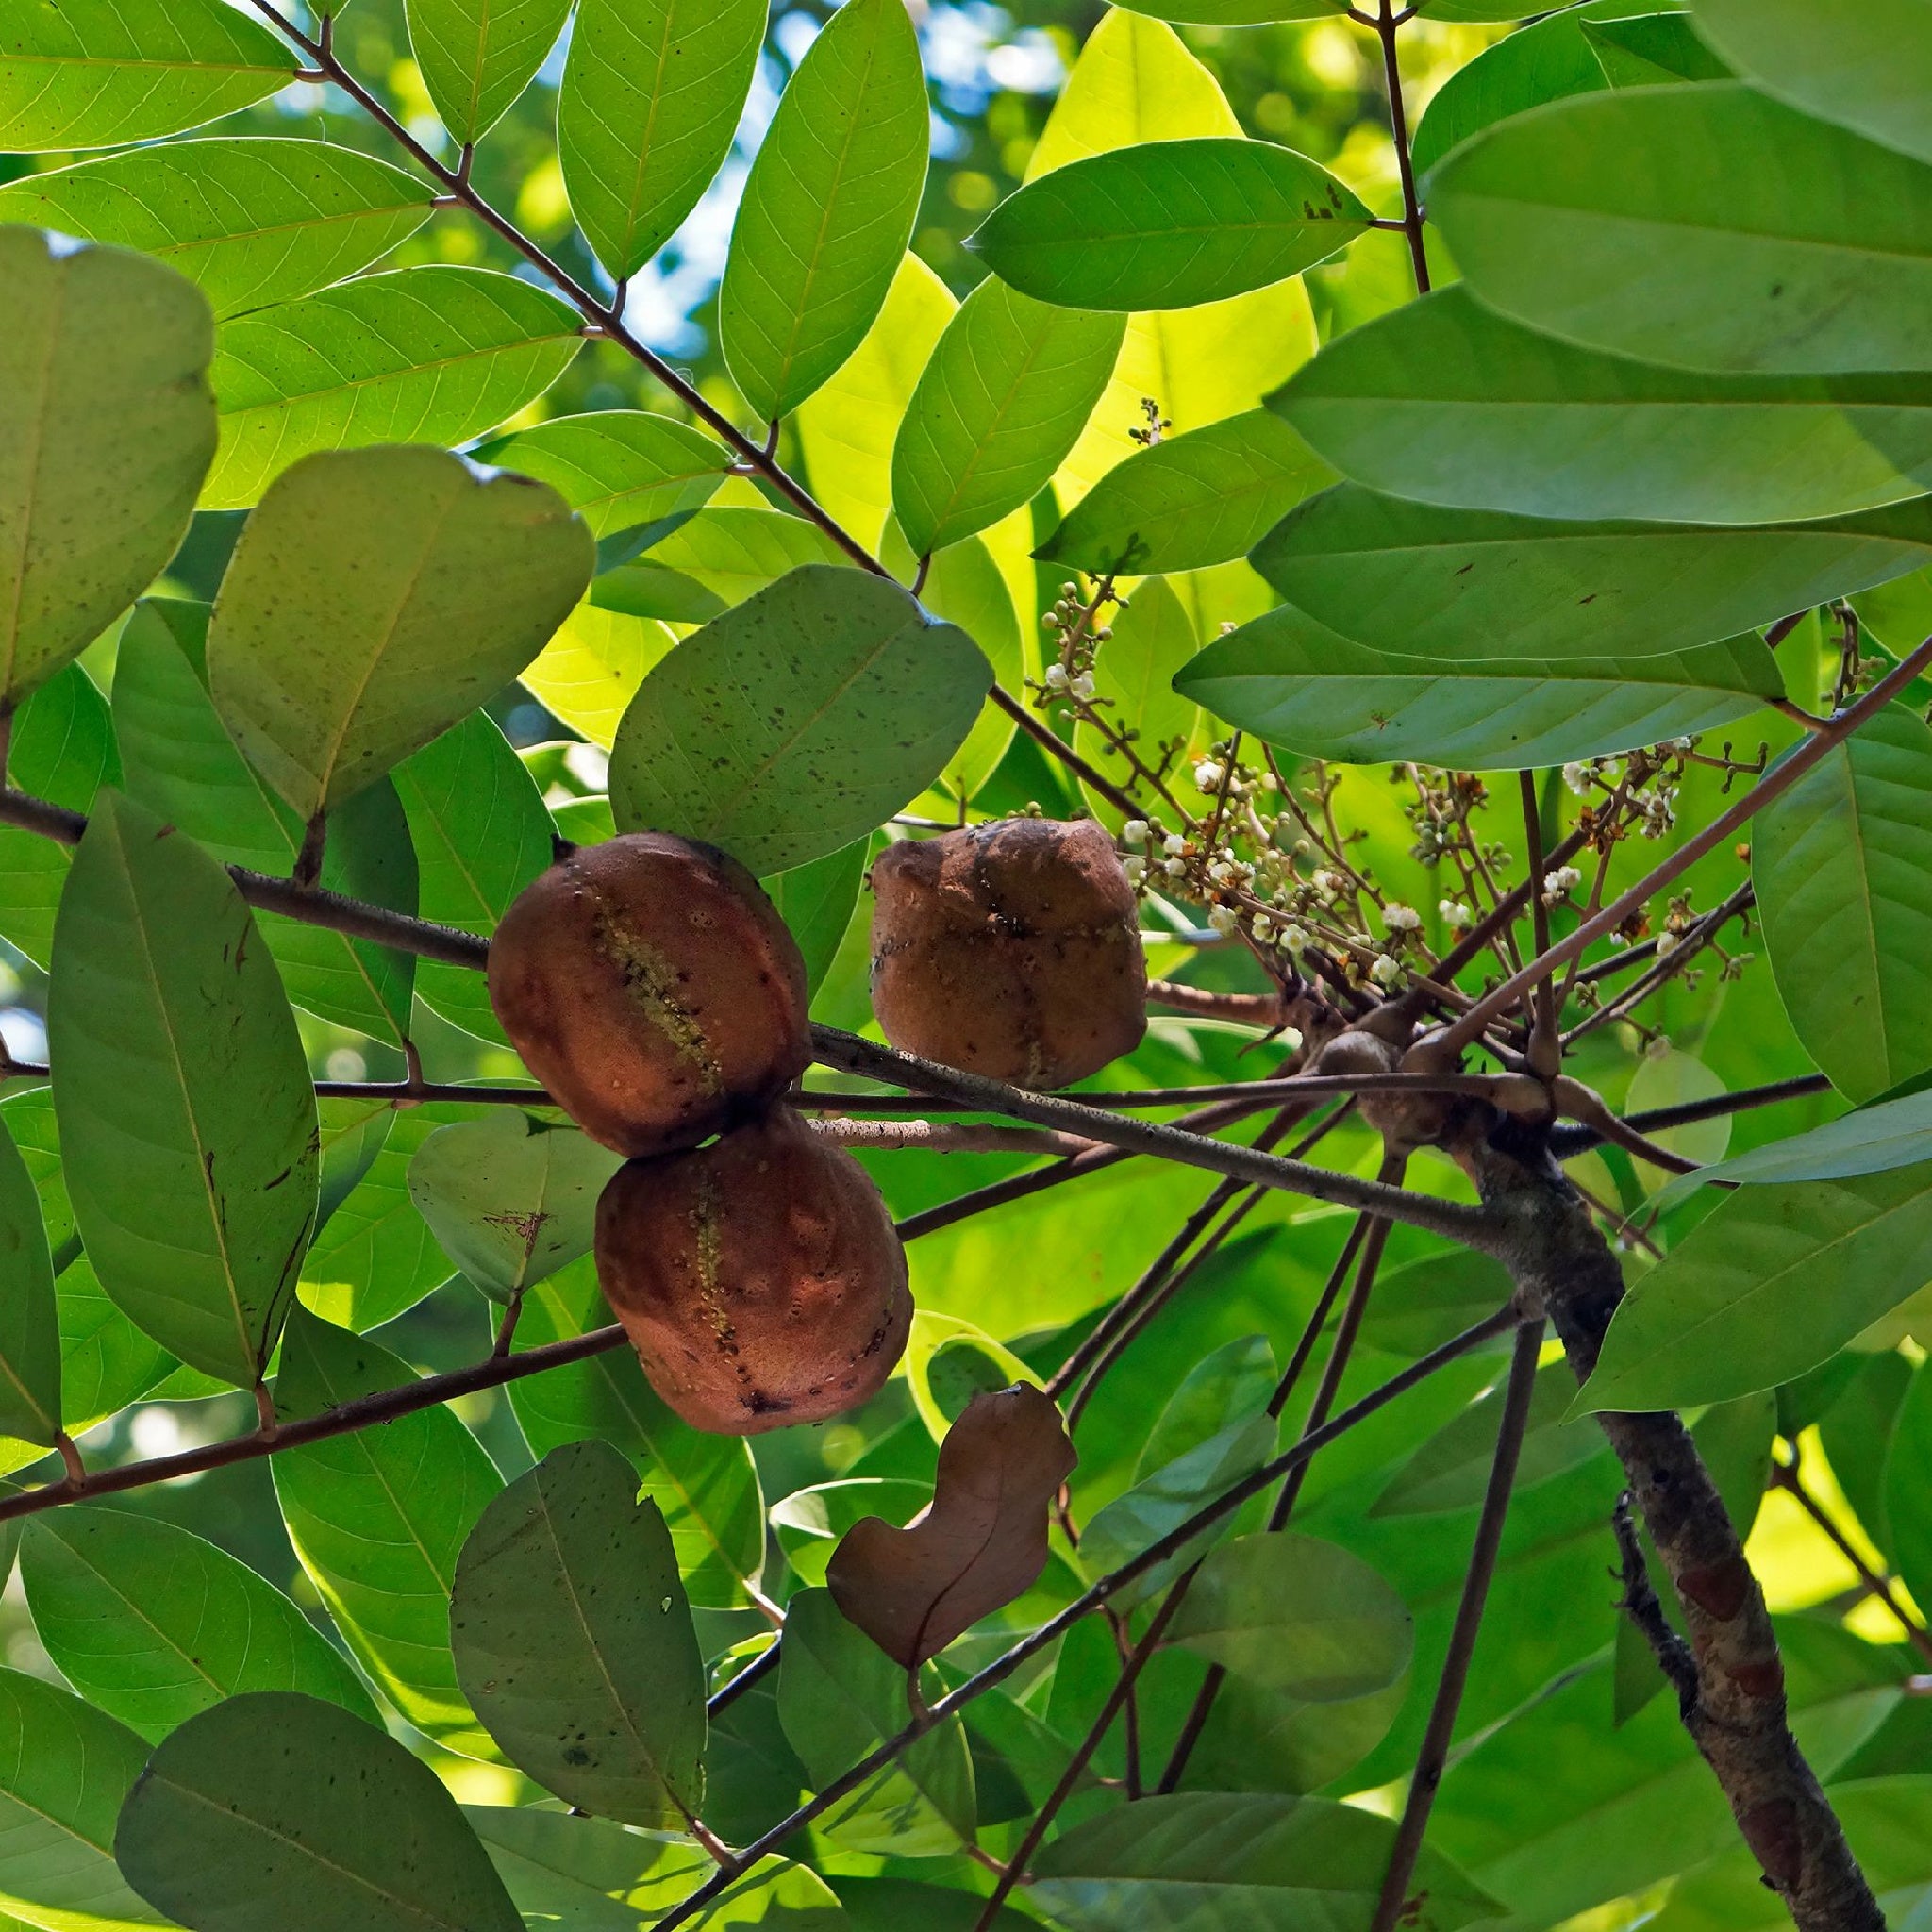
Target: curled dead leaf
{"x":981,"y":1541}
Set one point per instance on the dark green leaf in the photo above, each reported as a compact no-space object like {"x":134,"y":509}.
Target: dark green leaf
{"x":1855,"y":1434}
{"x":707,"y":1486}
{"x":64,"y":1770}
{"x":617,"y":469}
{"x":250,"y":222}
{"x":477,"y":57}
{"x":29,"y":1323}
{"x":583,"y":1876}
{"x":890,"y":1904}
{"x":573,"y":1641}
{"x":816,"y":901}
{"x":105,"y":415}
{"x":1223,"y":1389}
{"x":98,"y":73}
{"x":860,"y":700}
{"x":1838,"y":863}
{"x":651,"y":97}
{"x":152,"y":1624}
{"x":328,"y":677}
{"x":1652,"y":49}
{"x":1210,"y":1862}
{"x":1768,"y":1284}
{"x":840,"y":1696}
{"x":1451,"y":585}
{"x":1169,"y":224}
{"x":1446,"y":401}
{"x":187,"y":1118}
{"x":353,"y":1134}
{"x":510,"y":1199}
{"x":1907,"y":1508}
{"x":378,"y":1520}
{"x":1191,"y":500}
{"x":827,"y":207}
{"x":1296,"y":683}
{"x":1705,"y":226}
{"x":481,"y":834}
{"x":1296,"y":1615}
{"x":436,"y":353}
{"x":273,"y":1797}
{"x":1863,"y":63}
{"x":1004,"y":398}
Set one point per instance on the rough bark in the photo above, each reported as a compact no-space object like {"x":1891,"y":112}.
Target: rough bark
{"x":1734,"y":1708}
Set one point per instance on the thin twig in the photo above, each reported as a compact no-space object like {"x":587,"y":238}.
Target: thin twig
{"x":1385,"y":24}
{"x":1468,"y":1626}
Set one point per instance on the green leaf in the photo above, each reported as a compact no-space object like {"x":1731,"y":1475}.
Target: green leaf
{"x":574,"y":1644}
{"x":1451,"y":1470}
{"x":433,"y":354}
{"x":477,"y":57}
{"x":1651,"y":49}
{"x":707,"y":1486}
{"x":650,"y":100}
{"x":591,"y":670}
{"x":1190,"y":501}
{"x":249,"y":222}
{"x":1004,"y":398}
{"x":1447,"y":403}
{"x":816,"y":901}
{"x":1885,"y":1135}
{"x":29,"y":1321}
{"x":1864,"y":64}
{"x":510,"y":1198}
{"x":847,"y":427}
{"x":1547,"y":61}
{"x":274,"y":1796}
{"x":888,"y":1905}
{"x":61,"y":749}
{"x":378,"y":1520}
{"x":1153,"y":642}
{"x":184,"y":767}
{"x":1837,"y":866}
{"x":107,"y":429}
{"x":64,"y":1770}
{"x":353,"y":1134}
{"x":98,"y":73}
{"x":1908,"y":1515}
{"x":1210,"y":1861}
{"x":187,"y":1118}
{"x":1768,"y":1284}
{"x":585,"y":1876}
{"x":1298,"y":684}
{"x":327,"y":677}
{"x":1159,"y":1503}
{"x":860,"y":698}
{"x":732,"y":551}
{"x":1169,"y":224}
{"x":1239,"y":12}
{"x":1224,"y":1387}
{"x":827,"y":207}
{"x":1455,"y":585}
{"x":618,"y":469}
{"x":376,"y":1257}
{"x":838,"y":1697}
{"x":481,"y":834}
{"x":152,"y":1625}
{"x":809,"y":1522}
{"x":1707,"y":226}
{"x":1295,"y":1615}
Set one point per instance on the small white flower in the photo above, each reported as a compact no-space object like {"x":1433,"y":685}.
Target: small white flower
{"x":1175,"y":867}
{"x":1578,"y":778}
{"x":1386,"y":971}
{"x":1396,"y":917}
{"x":1082,"y":687}
{"x":1136,"y":869}
{"x":1271,"y":783}
{"x":1220,"y":872}
{"x":1290,"y":1038}
{"x":1056,"y":677}
{"x":1326,"y":884}
{"x":1667,"y":944}
{"x":1134,"y":833}
{"x":1173,"y":844}
{"x":1297,"y":940}
{"x":1207,"y":776}
{"x":1453,"y":913}
{"x":1222,"y":920}
{"x":1556,"y":884}
{"x":1262,"y":925}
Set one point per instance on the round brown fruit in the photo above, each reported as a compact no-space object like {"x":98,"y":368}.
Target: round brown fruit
{"x":1012,"y":950}
{"x":651,"y":986}
{"x":759,"y":1278}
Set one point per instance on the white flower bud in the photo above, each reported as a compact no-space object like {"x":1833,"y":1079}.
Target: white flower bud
{"x":1173,"y":844}
{"x":1578,"y":778}
{"x":1207,"y":776}
{"x":1175,"y":867}
{"x":1667,"y":944}
{"x":1385,"y":972}
{"x":1134,"y":833}
{"x":1222,"y":920}
{"x":1262,"y":925}
{"x":1136,"y":869}
{"x":1453,"y":913}
{"x":1056,"y":677}
{"x":1082,"y":687}
{"x":1396,"y":917}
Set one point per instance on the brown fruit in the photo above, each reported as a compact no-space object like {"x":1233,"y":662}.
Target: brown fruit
{"x":651,"y":986}
{"x":759,"y":1278}
{"x":1012,"y":950}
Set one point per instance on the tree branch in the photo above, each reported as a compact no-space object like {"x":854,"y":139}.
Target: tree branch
{"x":1566,"y":1142}
{"x":1385,"y":24}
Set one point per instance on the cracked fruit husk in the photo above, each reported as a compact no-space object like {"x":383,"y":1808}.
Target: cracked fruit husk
{"x":652,"y":988}
{"x":759,"y":1279}
{"x":1012,"y":950}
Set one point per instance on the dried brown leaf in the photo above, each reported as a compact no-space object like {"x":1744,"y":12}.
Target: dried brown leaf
{"x":979,"y":1544}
